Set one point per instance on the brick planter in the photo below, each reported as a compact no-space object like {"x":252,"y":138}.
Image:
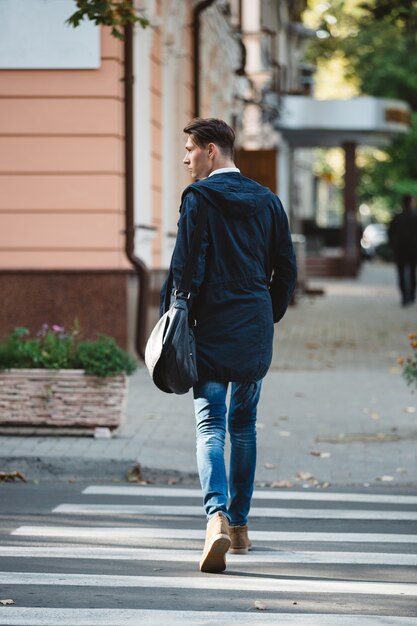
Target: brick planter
{"x":40,"y":397}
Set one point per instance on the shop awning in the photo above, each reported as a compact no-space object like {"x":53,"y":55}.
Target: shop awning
{"x":307,"y":122}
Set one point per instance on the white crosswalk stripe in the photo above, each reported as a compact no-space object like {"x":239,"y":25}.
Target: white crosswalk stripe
{"x":377,"y":569}
{"x":228,"y":583}
{"x":115,"y":532}
{"x":259,"y":494}
{"x":133,"y":617}
{"x":195,"y":511}
{"x":192,"y":556}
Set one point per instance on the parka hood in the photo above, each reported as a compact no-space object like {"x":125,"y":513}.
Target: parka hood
{"x":233,"y":194}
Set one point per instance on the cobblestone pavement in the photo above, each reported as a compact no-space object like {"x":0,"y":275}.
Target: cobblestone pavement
{"x":334,"y":407}
{"x":357,"y":324}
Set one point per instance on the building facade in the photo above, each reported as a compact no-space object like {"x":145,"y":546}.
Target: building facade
{"x":63,"y":215}
{"x":62,"y":210}
{"x":62,"y":204}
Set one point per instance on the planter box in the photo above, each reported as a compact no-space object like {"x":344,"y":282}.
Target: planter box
{"x":40,"y":397}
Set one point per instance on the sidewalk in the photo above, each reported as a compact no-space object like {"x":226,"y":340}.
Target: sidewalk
{"x":334,"y":407}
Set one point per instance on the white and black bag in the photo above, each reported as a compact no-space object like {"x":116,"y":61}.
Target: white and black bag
{"x":170,"y":354}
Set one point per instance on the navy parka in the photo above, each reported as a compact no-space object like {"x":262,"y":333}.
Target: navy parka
{"x":245,"y":277}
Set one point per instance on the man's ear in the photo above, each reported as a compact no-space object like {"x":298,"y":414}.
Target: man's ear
{"x":212,"y":149}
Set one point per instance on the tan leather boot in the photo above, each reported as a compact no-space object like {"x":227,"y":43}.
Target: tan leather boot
{"x":216,"y":545}
{"x":240,"y":542}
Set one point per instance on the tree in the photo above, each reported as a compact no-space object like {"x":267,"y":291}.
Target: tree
{"x":378,"y":41}
{"x":113,"y":13}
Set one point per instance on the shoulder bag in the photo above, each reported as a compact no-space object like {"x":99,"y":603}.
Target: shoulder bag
{"x":170,"y":354}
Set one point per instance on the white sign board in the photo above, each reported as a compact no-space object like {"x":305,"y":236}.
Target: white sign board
{"x":34,"y":35}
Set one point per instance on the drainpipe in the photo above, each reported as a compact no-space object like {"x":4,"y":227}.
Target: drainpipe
{"x":140,"y":267}
{"x":198,"y":10}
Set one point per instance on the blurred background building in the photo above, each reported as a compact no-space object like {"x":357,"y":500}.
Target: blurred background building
{"x":91,"y":160}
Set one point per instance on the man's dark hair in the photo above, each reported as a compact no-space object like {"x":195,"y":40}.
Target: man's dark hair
{"x":407,"y":201}
{"x":211,"y":130}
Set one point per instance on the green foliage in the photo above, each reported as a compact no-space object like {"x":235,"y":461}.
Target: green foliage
{"x":395,"y":176}
{"x":410,"y":364}
{"x":379,"y":42}
{"x":113,"y":13}
{"x":400,"y":12}
{"x":55,"y":348}
{"x":104,"y":357}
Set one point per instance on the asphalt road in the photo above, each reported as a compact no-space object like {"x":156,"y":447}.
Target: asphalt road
{"x":75,"y":554}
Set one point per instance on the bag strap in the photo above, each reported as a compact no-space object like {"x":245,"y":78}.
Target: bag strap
{"x":184,"y":288}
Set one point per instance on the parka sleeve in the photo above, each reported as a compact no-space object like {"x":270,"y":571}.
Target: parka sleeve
{"x":284,"y":277}
{"x":186,"y":227}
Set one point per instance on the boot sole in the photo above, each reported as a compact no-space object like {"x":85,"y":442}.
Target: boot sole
{"x":239,"y":550}
{"x":215,"y":561}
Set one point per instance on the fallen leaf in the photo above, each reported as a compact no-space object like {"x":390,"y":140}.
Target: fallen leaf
{"x":281,"y":484}
{"x":322,"y":455}
{"x":385,"y":479}
{"x":284,"y":433}
{"x":375,"y":416}
{"x":269,"y":466}
{"x":260,"y":425}
{"x":260,"y":606}
{"x":7,"y":602}
{"x":311,"y":345}
{"x":401,"y":470}
{"x":172,"y":481}
{"x":134,"y":475}
{"x":410,"y":409}
{"x":325,"y":484}
{"x":8,"y":477}
{"x":394,"y":370}
{"x":283,"y":418}
{"x":304,"y":476}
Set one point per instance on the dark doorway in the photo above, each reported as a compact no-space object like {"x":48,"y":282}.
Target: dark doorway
{"x":261,"y":165}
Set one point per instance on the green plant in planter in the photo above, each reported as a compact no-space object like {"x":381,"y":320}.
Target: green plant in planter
{"x":410,"y":364}
{"x":55,"y":348}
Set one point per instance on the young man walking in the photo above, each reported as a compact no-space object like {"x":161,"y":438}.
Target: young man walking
{"x":245,"y":277}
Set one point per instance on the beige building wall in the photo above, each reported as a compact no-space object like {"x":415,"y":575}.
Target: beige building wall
{"x":62,"y":171}
{"x":62,"y":202}
{"x":61,"y":166}
{"x":171,"y":109}
{"x":178,"y":111}
{"x":156,"y":122}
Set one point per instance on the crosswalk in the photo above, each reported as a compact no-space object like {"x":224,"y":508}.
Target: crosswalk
{"x":129,"y":555}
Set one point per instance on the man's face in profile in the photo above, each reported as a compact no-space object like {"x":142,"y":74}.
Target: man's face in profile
{"x":197,"y":160}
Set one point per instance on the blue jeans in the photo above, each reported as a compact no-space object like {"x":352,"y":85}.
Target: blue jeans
{"x":210,"y":413}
